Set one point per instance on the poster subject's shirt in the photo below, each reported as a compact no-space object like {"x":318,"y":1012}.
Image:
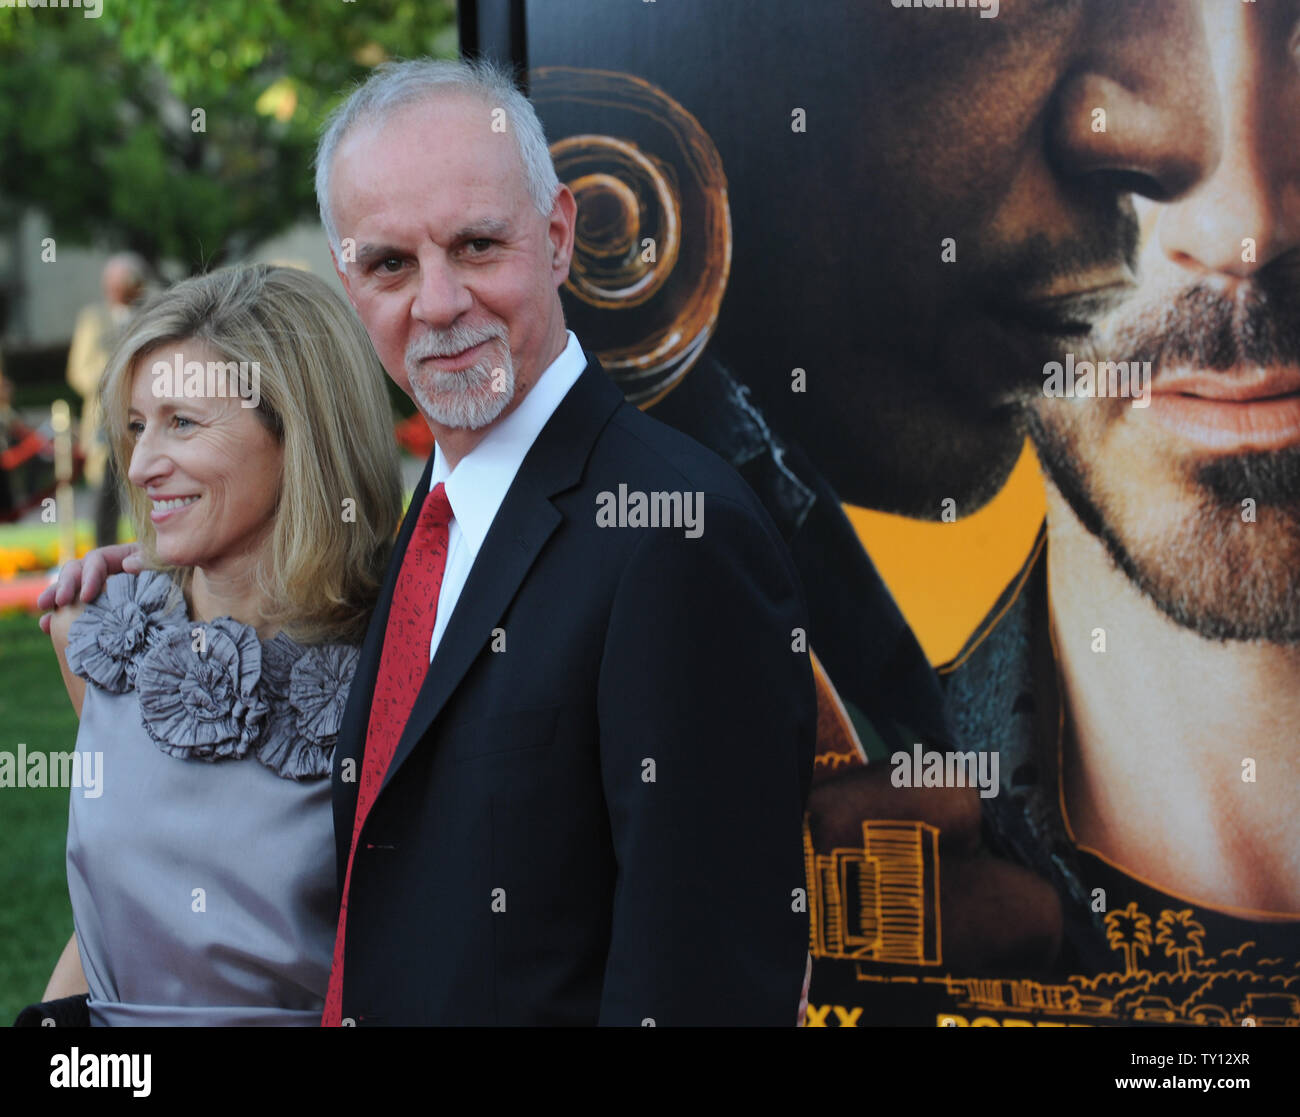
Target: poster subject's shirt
{"x":1132,"y":954}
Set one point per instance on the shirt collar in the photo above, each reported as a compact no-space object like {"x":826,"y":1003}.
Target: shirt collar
{"x":481,"y":479}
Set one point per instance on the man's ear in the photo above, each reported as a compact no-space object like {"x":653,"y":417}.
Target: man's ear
{"x":563,"y":222}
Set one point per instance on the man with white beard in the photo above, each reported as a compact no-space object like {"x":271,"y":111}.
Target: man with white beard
{"x":547,"y":710}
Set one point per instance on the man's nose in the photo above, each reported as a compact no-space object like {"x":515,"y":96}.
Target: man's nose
{"x":443,"y":295}
{"x":1248,"y":213}
{"x":1140,"y":113}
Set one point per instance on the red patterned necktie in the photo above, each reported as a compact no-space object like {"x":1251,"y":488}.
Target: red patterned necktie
{"x":403,"y":664}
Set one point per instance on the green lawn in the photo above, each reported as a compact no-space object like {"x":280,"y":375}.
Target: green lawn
{"x":35,"y":917}
{"x":39,"y":537}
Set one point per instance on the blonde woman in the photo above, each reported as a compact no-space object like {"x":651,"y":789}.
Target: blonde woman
{"x":250,"y":417}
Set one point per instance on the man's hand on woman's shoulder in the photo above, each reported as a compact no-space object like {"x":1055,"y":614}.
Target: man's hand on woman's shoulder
{"x":82,"y":579}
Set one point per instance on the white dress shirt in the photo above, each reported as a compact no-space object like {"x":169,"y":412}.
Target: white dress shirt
{"x":481,"y":479}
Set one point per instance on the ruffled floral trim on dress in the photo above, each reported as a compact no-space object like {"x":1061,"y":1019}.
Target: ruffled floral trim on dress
{"x":198,"y":689}
{"x":105,"y":640}
{"x":214,"y":691}
{"x":308,"y":688}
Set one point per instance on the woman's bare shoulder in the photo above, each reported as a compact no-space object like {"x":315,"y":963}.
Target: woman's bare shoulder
{"x":61,"y":624}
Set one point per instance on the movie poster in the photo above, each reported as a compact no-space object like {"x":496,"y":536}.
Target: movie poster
{"x":994,"y":306}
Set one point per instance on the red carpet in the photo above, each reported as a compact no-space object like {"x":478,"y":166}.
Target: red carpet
{"x":22,"y":592}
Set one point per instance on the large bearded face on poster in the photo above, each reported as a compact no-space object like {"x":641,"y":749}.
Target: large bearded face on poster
{"x":1196,"y":497}
{"x":968,"y":215}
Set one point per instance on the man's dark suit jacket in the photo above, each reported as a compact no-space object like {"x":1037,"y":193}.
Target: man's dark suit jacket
{"x":600,"y":822}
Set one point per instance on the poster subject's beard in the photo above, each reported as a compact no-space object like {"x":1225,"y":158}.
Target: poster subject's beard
{"x":1222,"y":557}
{"x":473,"y":397}
{"x":1207,"y":568}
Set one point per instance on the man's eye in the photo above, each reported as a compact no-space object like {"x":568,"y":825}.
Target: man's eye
{"x":182,"y":422}
{"x":480,"y":244}
{"x":389,"y":265}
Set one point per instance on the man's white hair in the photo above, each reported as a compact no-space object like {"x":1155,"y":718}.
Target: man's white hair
{"x":395,"y":85}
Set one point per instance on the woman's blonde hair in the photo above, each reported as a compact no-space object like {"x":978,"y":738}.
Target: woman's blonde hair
{"x":322,"y":395}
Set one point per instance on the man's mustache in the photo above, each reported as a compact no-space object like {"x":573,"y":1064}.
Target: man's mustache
{"x":1202,"y":327}
{"x":448,"y":343}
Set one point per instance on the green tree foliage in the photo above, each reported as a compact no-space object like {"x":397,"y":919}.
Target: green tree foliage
{"x":101,"y":128}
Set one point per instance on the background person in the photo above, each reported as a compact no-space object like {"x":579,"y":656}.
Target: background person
{"x":96,"y":333}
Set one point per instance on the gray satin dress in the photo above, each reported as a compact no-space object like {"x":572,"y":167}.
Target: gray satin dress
{"x":202,"y":874}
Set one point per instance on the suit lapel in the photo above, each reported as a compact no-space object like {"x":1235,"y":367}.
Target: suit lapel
{"x":523,"y":524}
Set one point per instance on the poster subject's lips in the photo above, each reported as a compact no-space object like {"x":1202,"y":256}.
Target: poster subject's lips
{"x":1246,"y":409}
